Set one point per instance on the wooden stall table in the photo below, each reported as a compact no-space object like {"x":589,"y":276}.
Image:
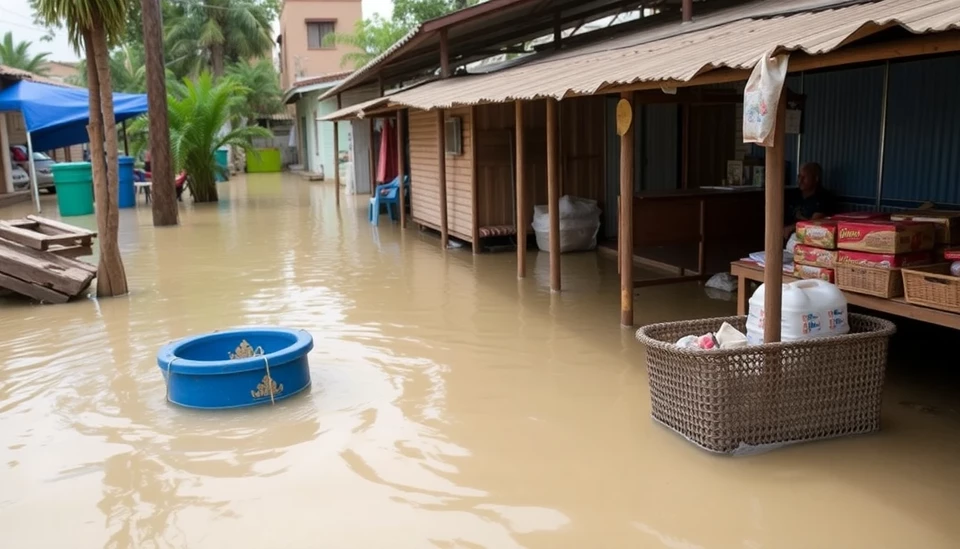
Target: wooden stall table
{"x":750,"y":271}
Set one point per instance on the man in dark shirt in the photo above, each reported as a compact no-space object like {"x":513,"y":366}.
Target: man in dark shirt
{"x":814,"y":201}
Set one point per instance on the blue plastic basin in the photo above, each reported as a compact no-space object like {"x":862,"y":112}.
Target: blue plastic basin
{"x":200,"y":372}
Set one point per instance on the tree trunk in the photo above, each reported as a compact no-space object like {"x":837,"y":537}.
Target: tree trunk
{"x":216,"y":59}
{"x":164,"y":189}
{"x":111,"y":277}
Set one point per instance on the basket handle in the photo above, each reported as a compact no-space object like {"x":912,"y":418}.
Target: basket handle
{"x":933,"y":280}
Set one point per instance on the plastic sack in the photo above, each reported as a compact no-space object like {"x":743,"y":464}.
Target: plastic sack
{"x":579,"y":224}
{"x":723,"y":281}
{"x":760,"y":98}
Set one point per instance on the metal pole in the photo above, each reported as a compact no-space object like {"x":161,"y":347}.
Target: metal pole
{"x":883,"y":131}
{"x":33,"y":174}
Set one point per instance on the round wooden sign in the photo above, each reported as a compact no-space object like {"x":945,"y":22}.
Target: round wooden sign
{"x":624,"y":117}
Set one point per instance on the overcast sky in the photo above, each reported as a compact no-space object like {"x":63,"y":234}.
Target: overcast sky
{"x":18,"y":19}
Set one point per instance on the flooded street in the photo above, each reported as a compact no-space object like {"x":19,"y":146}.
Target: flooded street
{"x":452,"y":406}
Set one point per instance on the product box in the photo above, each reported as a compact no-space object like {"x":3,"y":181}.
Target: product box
{"x":861,"y":216}
{"x":819,"y":233}
{"x":947,"y":223}
{"x":951,"y":254}
{"x":884,"y":237}
{"x":809,"y":271}
{"x":817,"y":257}
{"x":884,"y":261}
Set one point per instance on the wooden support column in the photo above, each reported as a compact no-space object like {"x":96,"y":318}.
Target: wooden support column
{"x":442,"y":178}
{"x":373,"y":161}
{"x":553,"y":193}
{"x":444,"y":55}
{"x":557,"y":30}
{"x":521,"y":193}
{"x":401,"y":169}
{"x":687,"y":10}
{"x":336,"y":154}
{"x":625,"y":217}
{"x":773,"y":242}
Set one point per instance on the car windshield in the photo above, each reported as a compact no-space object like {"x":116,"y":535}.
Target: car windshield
{"x":40,"y":156}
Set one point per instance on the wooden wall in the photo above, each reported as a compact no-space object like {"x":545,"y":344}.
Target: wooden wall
{"x":712,"y":133}
{"x":424,"y":179}
{"x":581,"y":155}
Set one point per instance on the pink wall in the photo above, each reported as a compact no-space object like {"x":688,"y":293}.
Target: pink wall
{"x":297,"y":59}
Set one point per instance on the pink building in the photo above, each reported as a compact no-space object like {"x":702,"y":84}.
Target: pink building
{"x":304,"y":25}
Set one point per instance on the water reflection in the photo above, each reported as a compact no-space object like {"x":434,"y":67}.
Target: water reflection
{"x":452,"y":406}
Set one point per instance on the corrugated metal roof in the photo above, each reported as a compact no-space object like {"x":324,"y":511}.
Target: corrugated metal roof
{"x":19,"y":74}
{"x":355,"y":111}
{"x":733,"y":38}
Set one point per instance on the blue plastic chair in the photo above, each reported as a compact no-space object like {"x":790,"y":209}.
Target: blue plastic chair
{"x":387,"y":195}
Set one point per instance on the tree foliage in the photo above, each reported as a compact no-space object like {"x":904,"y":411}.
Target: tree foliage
{"x":373,"y":36}
{"x":18,"y":55}
{"x":214,"y":33}
{"x":262,"y":85}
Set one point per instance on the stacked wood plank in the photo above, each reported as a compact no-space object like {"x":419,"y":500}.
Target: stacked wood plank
{"x":36,"y":259}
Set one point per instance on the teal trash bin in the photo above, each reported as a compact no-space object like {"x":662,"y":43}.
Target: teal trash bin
{"x":222,"y":161}
{"x":128,"y":197}
{"x":74,"y":183}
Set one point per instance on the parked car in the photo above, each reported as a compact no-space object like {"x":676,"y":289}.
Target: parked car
{"x":44,"y":164}
{"x":21,"y":181}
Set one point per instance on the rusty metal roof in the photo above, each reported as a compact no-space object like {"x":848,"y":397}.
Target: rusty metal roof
{"x":20,"y":74}
{"x":672,"y":52}
{"x":476,"y":31}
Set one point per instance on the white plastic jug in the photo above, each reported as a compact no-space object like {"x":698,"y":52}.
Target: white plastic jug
{"x":810,"y":308}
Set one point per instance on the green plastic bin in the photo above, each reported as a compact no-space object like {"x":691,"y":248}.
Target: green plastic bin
{"x":221,"y":156}
{"x":74,"y":183}
{"x":265,"y":161}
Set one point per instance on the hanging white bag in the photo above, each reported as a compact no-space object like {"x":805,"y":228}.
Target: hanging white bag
{"x":760,"y":98}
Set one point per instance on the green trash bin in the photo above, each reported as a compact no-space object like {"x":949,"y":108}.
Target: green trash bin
{"x":74,"y":183}
{"x":221,"y":156}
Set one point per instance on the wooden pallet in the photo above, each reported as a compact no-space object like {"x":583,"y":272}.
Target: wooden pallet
{"x":36,"y":259}
{"x":41,"y":233}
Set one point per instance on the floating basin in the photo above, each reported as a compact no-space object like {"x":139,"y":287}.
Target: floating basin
{"x":236,"y":368}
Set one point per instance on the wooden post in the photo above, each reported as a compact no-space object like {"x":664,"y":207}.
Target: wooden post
{"x":557,"y":30}
{"x":521,"y":194}
{"x":401,"y":170}
{"x":773,"y":243}
{"x":444,"y":55}
{"x":126,"y":139}
{"x":442,"y":178}
{"x":625,"y":219}
{"x":553,"y":194}
{"x":373,"y":161}
{"x":687,"y":10}
{"x":336,"y":155}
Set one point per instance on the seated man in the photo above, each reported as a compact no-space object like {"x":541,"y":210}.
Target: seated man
{"x":814,"y":201}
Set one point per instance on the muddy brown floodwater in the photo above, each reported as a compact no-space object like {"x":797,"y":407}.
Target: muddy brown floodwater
{"x":452,"y":406}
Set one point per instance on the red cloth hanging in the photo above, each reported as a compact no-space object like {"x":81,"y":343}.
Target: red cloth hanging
{"x":387,"y":163}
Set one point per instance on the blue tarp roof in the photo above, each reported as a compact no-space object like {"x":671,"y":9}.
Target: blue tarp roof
{"x":56,"y":116}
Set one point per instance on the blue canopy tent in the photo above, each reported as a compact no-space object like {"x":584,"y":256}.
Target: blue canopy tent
{"x":57,"y":116}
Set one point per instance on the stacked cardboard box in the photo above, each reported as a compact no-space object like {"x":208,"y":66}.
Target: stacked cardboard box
{"x":873,"y":251}
{"x":816,"y":253}
{"x":946,"y":225}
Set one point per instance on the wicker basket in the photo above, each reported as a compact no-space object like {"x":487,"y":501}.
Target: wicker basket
{"x":869,"y":280}
{"x":932,"y":286}
{"x":743,"y":400}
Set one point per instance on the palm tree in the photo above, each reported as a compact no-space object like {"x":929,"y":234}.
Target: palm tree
{"x":127,"y":70}
{"x":196,"y":120}
{"x":263,"y":94}
{"x":17,"y":55}
{"x":213,"y":33}
{"x":93,"y":25}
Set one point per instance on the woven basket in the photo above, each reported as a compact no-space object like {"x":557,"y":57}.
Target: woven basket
{"x":734,"y":401}
{"x":869,"y":280}
{"x":932,"y":286}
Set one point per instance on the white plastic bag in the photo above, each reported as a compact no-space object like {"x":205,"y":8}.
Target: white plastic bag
{"x":760,"y":99}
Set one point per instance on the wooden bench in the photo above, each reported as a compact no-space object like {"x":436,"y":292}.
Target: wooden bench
{"x":749,"y":271}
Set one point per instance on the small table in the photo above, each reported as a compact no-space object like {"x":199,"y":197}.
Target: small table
{"x":144,"y":186}
{"x":750,"y":271}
